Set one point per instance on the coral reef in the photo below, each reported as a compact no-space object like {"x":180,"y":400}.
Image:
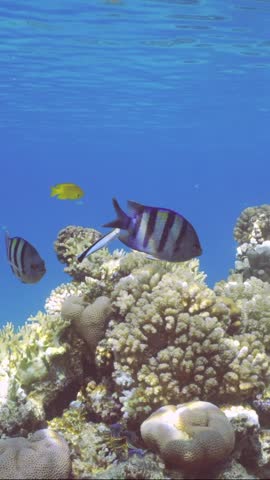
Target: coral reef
{"x":41,"y":363}
{"x":252,"y":297}
{"x":253,"y":225}
{"x":252,"y":232}
{"x":72,"y":241}
{"x":43,"y":455}
{"x":128,"y":335}
{"x":100,"y":401}
{"x":148,"y":467}
{"x":89,"y":320}
{"x":92,"y":450}
{"x":170,"y":341}
{"x":190,"y":435}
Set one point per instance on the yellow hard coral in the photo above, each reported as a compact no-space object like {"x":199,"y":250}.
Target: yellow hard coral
{"x":192,"y":435}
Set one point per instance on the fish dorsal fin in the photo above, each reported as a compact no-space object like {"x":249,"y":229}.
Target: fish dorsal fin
{"x":135,"y":207}
{"x":122,"y":220}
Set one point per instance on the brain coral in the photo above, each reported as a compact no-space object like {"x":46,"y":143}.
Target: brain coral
{"x":88,"y":319}
{"x":169,"y":340}
{"x":44,"y":455}
{"x":194,"y":435}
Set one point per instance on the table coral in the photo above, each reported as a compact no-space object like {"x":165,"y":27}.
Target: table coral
{"x":194,"y":435}
{"x":44,"y":455}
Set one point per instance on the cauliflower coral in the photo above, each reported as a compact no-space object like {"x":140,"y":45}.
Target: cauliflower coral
{"x":170,"y":341}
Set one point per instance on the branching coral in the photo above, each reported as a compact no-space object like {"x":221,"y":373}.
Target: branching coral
{"x":170,"y":341}
{"x":38,"y":363}
{"x":252,"y":297}
{"x":90,"y":449}
{"x":253,"y":225}
{"x":72,"y":241}
{"x":252,"y":231}
{"x":100,"y":401}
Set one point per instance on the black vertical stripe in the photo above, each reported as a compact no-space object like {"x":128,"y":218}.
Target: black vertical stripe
{"x":181,"y":235}
{"x":15,"y":242}
{"x":166,"y":230}
{"x":134,"y":226}
{"x":150,"y":226}
{"x":23,"y":257}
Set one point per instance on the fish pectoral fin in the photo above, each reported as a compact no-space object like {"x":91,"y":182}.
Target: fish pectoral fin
{"x":100,"y":243}
{"x":151,"y":257}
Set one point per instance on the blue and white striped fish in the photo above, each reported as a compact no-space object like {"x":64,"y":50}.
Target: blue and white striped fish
{"x":24,"y":260}
{"x":159,"y":232}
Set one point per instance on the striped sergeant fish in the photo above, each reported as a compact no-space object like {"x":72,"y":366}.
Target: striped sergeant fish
{"x":161,"y":233}
{"x":24,"y":260}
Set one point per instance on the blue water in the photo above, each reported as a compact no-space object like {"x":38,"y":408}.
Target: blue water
{"x":163,"y":102}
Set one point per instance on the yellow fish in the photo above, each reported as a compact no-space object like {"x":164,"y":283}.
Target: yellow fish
{"x":67,"y":191}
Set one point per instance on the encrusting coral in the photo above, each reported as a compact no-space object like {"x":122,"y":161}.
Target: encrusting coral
{"x":44,"y":455}
{"x":191,"y":435}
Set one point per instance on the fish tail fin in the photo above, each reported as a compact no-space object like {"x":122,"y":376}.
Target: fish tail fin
{"x":122,"y":220}
{"x":54,"y":191}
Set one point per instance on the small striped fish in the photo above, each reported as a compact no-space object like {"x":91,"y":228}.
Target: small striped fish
{"x":159,"y":232}
{"x":24,"y":260}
